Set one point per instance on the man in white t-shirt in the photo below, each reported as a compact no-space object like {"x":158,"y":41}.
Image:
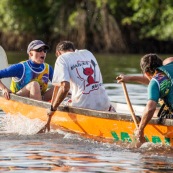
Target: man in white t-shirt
{"x":77,"y":71}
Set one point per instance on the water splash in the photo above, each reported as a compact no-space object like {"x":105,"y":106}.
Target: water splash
{"x":150,"y":147}
{"x":20,"y":124}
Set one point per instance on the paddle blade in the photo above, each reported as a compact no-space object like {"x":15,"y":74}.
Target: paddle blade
{"x":136,"y":143}
{"x":4,"y":64}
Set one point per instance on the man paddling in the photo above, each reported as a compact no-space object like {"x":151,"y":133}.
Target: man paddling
{"x":160,"y":87}
{"x":30,"y":78}
{"x":78,"y":71}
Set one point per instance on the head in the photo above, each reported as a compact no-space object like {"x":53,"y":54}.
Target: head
{"x":149,"y":63}
{"x":63,"y":47}
{"x":37,"y":50}
{"x":168,"y":60}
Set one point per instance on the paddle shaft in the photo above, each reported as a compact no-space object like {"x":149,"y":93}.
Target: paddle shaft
{"x":129,"y":104}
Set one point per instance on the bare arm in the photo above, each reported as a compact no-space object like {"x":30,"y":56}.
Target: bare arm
{"x":138,"y":79}
{"x":168,"y":60}
{"x":62,"y":93}
{"x":59,"y":95}
{"x":147,"y":114}
{"x":146,"y":117}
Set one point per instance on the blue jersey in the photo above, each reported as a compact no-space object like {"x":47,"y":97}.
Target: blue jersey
{"x":161,"y":85}
{"x":16,"y":70}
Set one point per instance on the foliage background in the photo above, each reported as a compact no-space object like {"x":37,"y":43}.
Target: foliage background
{"x":112,"y":26}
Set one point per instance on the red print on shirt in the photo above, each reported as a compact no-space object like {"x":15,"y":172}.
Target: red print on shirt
{"x":88,"y":76}
{"x":88,"y":71}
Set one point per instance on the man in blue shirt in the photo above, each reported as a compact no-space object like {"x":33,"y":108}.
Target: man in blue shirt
{"x":30,"y":78}
{"x":159,"y":76}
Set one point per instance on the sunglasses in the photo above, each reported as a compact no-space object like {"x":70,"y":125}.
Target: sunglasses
{"x":40,"y":50}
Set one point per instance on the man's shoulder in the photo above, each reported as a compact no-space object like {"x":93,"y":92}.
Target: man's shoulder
{"x":77,"y":53}
{"x":23,"y":62}
{"x":47,"y":64}
{"x":17,"y":65}
{"x":82,"y":51}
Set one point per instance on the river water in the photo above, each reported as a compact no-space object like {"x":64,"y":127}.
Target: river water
{"x":24,"y":151}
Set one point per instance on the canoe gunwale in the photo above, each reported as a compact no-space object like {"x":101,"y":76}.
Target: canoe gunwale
{"x":88,"y":112}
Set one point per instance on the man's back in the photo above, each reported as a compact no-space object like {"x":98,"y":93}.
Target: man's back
{"x":81,"y":69}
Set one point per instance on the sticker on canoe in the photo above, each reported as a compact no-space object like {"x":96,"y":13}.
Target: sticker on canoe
{"x":125,"y":137}
{"x":4,"y":64}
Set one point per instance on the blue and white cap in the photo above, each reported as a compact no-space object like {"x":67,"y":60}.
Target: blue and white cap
{"x":36,"y":44}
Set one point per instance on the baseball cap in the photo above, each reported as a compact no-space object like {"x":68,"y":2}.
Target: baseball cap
{"x":36,"y":44}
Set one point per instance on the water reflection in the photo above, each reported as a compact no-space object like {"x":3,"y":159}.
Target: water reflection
{"x":54,"y":153}
{"x":137,"y":93}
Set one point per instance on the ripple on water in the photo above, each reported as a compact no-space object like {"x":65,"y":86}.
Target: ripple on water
{"x":59,"y":151}
{"x":137,"y":93}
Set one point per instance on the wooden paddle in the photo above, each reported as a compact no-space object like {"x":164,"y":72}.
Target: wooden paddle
{"x":4,"y":64}
{"x":129,"y":104}
{"x":135,"y":142}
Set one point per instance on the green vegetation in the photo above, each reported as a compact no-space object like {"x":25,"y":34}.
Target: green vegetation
{"x":131,"y":26}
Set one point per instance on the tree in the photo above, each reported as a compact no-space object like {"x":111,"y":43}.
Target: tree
{"x":153,"y":18}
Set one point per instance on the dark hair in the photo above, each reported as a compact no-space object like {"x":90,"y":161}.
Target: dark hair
{"x":150,"y":62}
{"x":65,"y":45}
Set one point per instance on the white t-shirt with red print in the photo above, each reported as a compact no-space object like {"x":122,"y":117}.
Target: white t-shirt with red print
{"x":81,"y":69}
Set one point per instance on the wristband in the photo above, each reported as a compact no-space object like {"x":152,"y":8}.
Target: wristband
{"x":51,"y":108}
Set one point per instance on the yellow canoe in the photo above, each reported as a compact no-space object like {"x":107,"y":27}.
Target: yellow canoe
{"x":98,"y":125}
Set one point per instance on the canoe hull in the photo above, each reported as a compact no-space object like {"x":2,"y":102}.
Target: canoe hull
{"x":97,"y":125}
